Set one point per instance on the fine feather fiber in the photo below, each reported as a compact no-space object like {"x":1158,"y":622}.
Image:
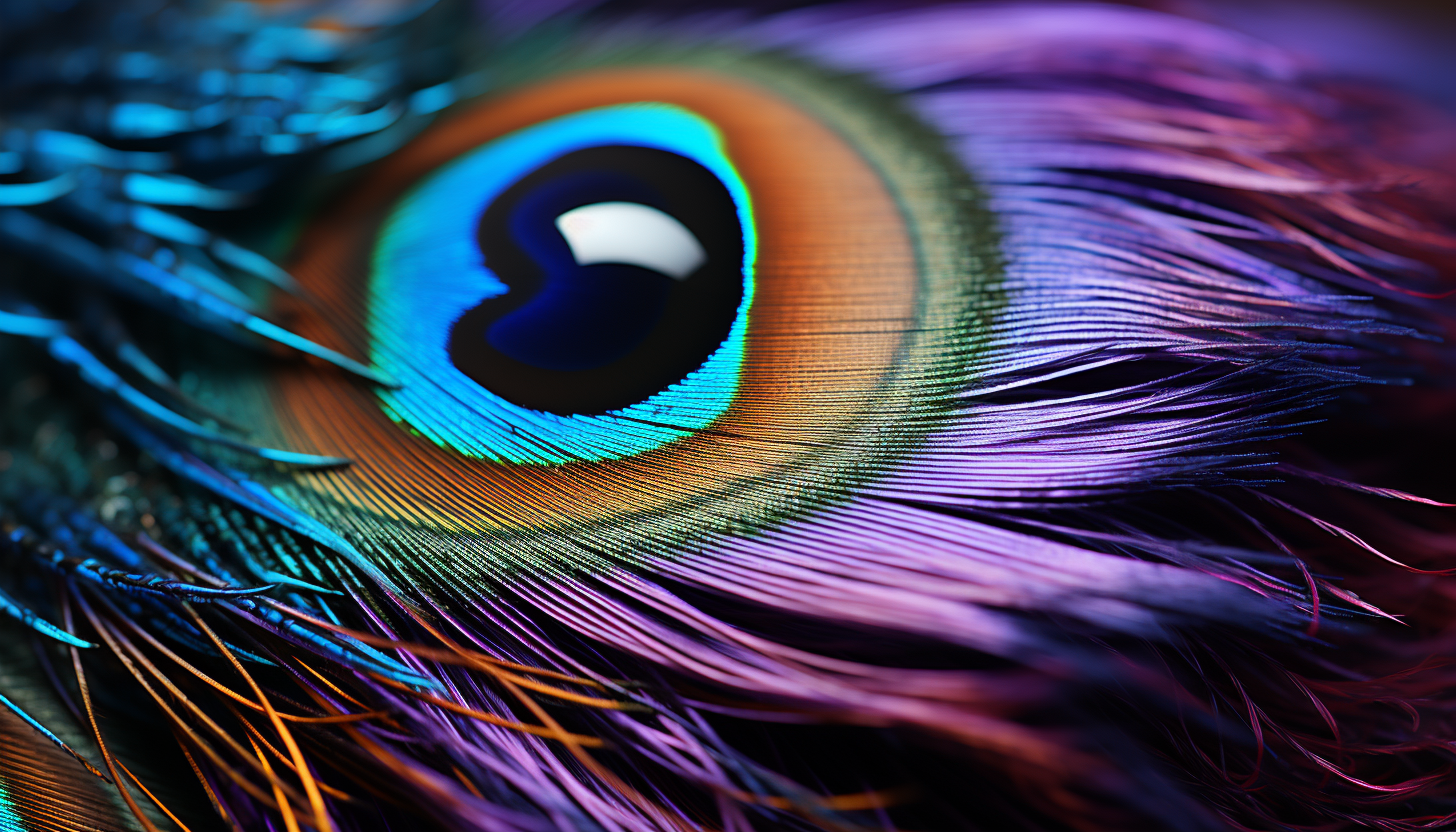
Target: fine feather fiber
{"x":1146,"y":532}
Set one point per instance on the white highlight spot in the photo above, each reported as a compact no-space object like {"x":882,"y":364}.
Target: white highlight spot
{"x":631,"y":233}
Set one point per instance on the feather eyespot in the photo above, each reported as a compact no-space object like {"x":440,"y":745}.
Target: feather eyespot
{"x":605,"y":275}
{"x":475,"y":274}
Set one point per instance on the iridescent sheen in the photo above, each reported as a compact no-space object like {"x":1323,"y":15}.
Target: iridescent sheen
{"x":1028,"y":499}
{"x":427,"y":270}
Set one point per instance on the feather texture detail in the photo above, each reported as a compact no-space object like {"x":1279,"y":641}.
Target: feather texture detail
{"x":1042,"y":435}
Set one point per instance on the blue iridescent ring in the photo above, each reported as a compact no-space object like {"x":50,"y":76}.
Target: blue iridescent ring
{"x":427,"y":270}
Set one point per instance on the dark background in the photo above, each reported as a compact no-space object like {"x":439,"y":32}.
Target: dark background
{"x":1411,"y":42}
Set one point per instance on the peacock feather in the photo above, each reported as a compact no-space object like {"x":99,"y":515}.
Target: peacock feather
{"x":608,"y":417}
